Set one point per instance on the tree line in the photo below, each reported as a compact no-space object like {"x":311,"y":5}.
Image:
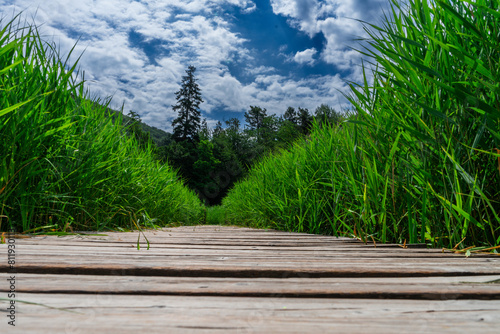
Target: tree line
{"x":212,"y":160}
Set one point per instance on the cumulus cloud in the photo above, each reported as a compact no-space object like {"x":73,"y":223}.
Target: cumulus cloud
{"x":185,"y":32}
{"x":337,"y":20}
{"x":305,"y":57}
{"x":138,"y":51}
{"x":302,"y":13}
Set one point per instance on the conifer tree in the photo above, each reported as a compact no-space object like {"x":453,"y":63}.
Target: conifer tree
{"x":305,"y":120}
{"x":255,"y":117}
{"x":327,"y":115}
{"x":291,"y":115}
{"x":205,"y":132}
{"x":187,"y":124}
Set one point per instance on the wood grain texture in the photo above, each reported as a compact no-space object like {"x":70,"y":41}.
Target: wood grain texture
{"x":439,"y":288}
{"x":85,"y":314}
{"x":212,"y":279}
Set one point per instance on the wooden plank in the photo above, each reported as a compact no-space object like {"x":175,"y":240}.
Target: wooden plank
{"x":166,"y":243}
{"x":250,"y":269}
{"x":66,"y":244}
{"x":226,"y":242}
{"x":356,"y":253}
{"x":89,"y":255}
{"x":440,"y":288}
{"x":132,"y":250}
{"x":188,"y":314}
{"x":478,"y":279}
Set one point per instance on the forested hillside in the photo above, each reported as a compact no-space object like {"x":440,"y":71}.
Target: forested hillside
{"x":216,"y":158}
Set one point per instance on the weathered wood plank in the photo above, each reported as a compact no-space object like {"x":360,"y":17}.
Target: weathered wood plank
{"x":223,"y":242}
{"x":40,"y":279}
{"x":90,"y":255}
{"x":440,"y":288}
{"x":131,"y":249}
{"x":69,"y":244}
{"x":250,"y":269}
{"x":188,"y":314}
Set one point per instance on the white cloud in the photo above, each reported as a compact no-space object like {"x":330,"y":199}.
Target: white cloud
{"x":337,"y":20}
{"x":193,"y":32}
{"x":276,"y":92}
{"x":225,"y":91}
{"x":306,"y":56}
{"x":302,"y":13}
{"x":247,"y":6}
{"x":188,"y":33}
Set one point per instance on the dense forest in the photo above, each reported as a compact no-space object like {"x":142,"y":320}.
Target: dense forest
{"x":211,"y":161}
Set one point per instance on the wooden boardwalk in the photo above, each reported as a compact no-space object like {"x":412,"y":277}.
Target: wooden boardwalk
{"x":212,"y":279}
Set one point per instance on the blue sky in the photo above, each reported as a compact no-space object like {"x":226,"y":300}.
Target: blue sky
{"x":269,"y":53}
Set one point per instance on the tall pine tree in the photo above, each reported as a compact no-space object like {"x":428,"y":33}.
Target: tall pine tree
{"x":187,"y":124}
{"x":291,"y":115}
{"x":255,"y":117}
{"x":305,"y":120}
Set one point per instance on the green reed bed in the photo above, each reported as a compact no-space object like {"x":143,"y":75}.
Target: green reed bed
{"x":65,"y":164}
{"x":419,"y":161}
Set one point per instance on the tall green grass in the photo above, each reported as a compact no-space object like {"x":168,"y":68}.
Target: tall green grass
{"x":419,"y":160}
{"x":65,"y":163}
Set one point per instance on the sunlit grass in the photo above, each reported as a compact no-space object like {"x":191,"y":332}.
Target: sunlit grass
{"x":65,"y":163}
{"x":419,"y":161}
